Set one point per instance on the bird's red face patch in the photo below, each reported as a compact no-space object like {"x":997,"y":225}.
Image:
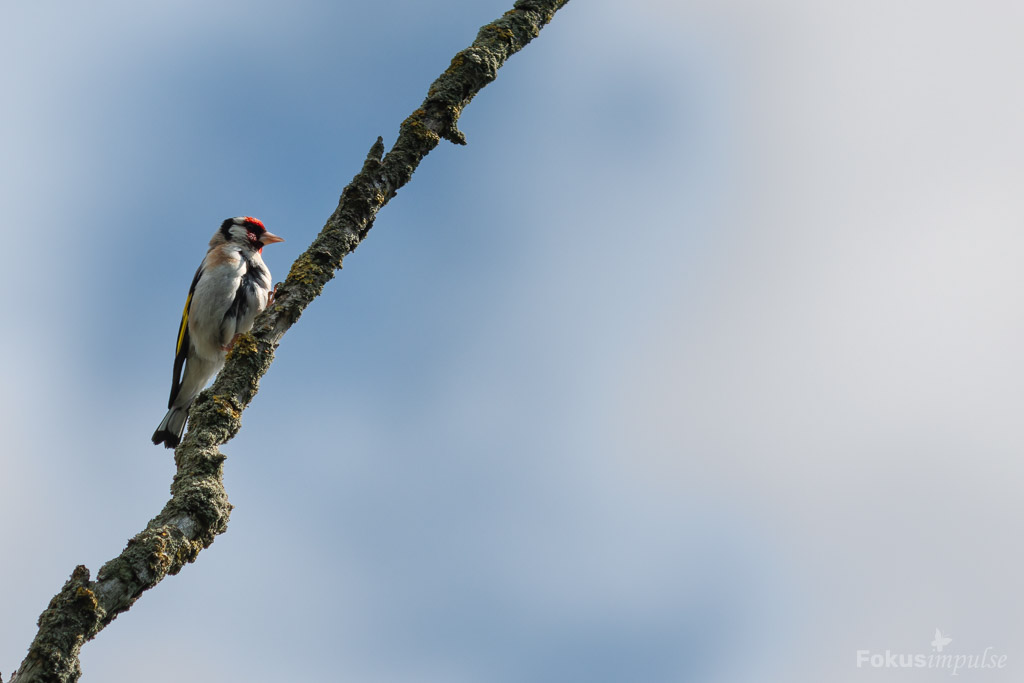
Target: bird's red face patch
{"x":255,"y":230}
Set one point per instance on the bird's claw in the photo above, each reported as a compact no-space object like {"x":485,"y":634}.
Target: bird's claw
{"x":231,"y":343}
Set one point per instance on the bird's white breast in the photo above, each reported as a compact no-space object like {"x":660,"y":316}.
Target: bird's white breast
{"x":213,"y":321}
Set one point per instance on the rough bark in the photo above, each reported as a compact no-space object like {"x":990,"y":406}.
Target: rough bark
{"x":198,"y":509}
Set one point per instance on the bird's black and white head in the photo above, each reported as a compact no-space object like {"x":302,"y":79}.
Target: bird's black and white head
{"x":245,"y":231}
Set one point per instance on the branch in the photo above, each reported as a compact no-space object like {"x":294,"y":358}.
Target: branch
{"x":198,"y":509}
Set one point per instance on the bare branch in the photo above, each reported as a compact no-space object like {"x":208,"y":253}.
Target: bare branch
{"x":199,"y":509}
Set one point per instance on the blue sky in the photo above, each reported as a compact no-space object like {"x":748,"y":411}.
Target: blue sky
{"x":701,"y":362}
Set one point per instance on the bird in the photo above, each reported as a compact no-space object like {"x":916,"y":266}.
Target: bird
{"x":230,"y":287}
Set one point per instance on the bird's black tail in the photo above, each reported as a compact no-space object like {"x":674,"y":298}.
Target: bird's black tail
{"x":171,"y":427}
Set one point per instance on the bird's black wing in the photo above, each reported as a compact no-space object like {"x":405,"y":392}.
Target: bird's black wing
{"x":181,"y":350}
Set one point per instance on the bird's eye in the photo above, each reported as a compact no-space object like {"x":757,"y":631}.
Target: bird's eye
{"x":252,"y":237}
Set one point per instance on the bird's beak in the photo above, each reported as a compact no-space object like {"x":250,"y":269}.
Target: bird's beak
{"x":270,"y":238}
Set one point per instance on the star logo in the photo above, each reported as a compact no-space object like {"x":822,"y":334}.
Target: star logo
{"x":940,"y":641}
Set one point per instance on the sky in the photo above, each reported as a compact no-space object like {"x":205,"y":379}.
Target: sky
{"x":701,"y":362}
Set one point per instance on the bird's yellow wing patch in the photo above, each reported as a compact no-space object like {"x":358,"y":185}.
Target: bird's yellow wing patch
{"x":184,"y":324}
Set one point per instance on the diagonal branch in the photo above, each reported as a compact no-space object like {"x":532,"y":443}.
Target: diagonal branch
{"x":198,"y":509}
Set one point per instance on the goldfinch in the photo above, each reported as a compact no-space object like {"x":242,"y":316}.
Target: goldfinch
{"x":231,"y":286}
